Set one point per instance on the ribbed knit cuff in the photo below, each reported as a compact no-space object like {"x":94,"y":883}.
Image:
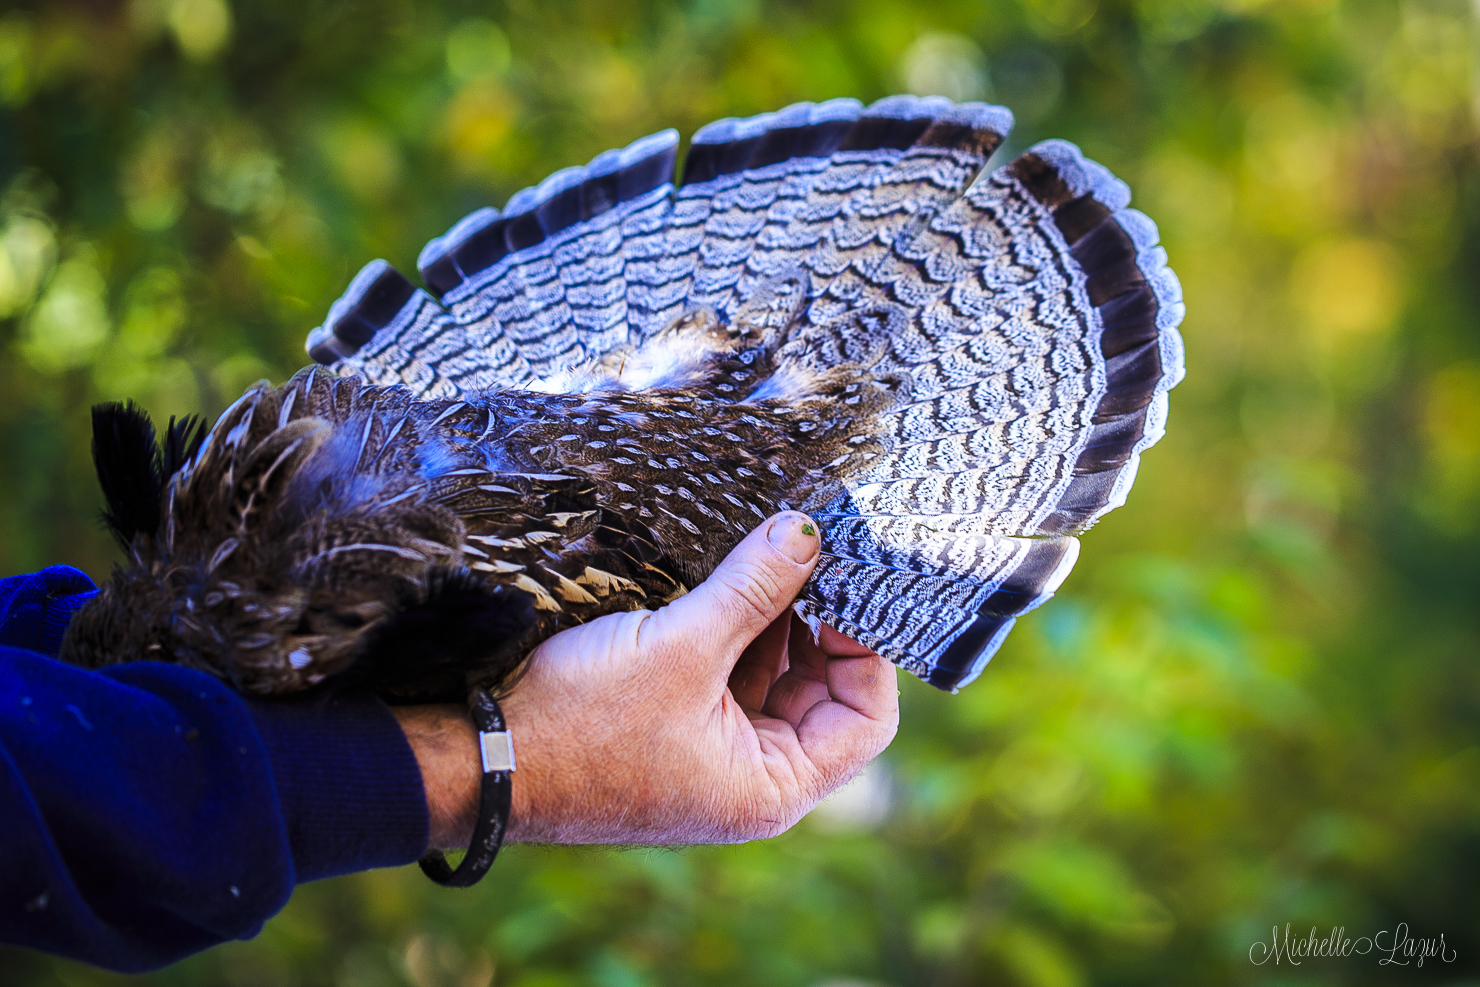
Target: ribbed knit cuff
{"x":347,"y":782}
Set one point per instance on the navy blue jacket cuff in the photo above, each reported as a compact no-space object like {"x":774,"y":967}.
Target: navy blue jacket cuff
{"x":347,"y":782}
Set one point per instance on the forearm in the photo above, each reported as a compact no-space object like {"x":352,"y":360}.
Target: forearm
{"x":118,"y":795}
{"x":149,"y":811}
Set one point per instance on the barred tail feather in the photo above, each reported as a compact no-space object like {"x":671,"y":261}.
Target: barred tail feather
{"x":519,"y":295}
{"x":1034,"y":320}
{"x":763,"y":195}
{"x":941,"y":606}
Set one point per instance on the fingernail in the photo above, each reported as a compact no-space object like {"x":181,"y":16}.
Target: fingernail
{"x":795,"y":536}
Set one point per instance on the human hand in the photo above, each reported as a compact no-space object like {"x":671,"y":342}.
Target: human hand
{"x":715,"y":719}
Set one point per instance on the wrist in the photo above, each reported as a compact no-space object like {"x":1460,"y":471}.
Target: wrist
{"x":445,"y":743}
{"x":524,"y":825}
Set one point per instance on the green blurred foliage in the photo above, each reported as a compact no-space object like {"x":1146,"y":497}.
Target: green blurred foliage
{"x":1256,"y":700}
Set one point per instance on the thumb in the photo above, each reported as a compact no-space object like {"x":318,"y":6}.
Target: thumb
{"x":753,"y":586}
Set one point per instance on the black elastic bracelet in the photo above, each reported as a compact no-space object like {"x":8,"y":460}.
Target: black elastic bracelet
{"x":497,"y":748}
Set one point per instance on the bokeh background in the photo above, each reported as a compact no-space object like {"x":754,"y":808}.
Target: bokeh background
{"x":1255,"y":702}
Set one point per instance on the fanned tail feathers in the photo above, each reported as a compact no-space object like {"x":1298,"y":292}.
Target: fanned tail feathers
{"x":1026,"y":319}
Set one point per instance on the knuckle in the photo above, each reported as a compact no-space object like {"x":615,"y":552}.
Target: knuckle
{"x":752,"y":590}
{"x":632,"y":625}
{"x":654,"y":639}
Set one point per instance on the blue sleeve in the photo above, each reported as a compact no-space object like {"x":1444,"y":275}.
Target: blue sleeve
{"x":149,"y":811}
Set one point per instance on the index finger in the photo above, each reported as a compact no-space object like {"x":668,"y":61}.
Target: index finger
{"x":835,"y":644}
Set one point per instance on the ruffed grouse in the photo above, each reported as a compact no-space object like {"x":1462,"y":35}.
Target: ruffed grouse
{"x":604,"y":387}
